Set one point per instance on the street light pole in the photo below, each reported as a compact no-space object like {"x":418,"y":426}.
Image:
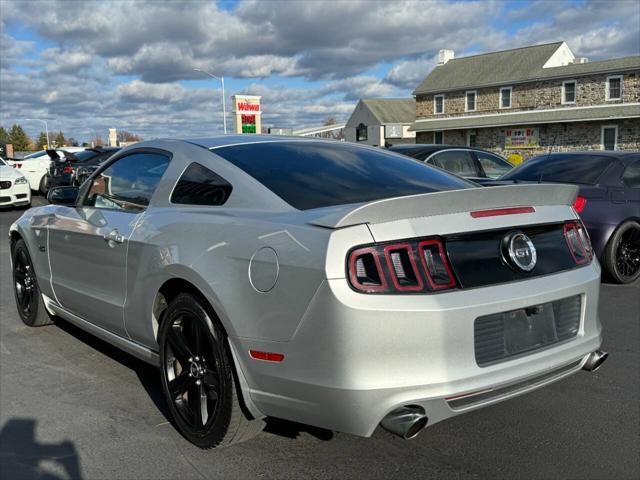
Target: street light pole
{"x":46,"y":127}
{"x":224,"y":108}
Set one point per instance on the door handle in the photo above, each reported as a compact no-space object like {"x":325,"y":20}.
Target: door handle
{"x":114,"y":236}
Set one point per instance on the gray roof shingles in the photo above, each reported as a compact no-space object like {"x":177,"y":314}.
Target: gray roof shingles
{"x":512,"y":66}
{"x":531,"y":117}
{"x":392,"y":110}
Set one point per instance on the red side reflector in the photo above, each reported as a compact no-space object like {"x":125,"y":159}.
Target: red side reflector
{"x":579,"y":204}
{"x":495,"y":212}
{"x":266,"y":356}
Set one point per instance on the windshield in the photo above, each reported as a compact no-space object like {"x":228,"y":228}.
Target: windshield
{"x":568,"y":168}
{"x":309,"y":174}
{"x":34,"y":155}
{"x":84,"y":155}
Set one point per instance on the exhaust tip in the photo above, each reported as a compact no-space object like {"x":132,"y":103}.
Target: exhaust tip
{"x":406,"y":422}
{"x":595,"y":361}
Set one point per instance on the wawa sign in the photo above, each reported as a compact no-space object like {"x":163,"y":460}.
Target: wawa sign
{"x":246,"y":110}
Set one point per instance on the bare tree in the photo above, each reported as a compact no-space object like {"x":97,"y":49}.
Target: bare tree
{"x":124,"y":136}
{"x":330,"y":121}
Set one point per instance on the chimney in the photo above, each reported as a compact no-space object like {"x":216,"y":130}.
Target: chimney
{"x":445,"y":55}
{"x":581,"y":60}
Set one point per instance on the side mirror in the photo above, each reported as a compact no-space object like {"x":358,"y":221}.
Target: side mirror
{"x":63,"y":196}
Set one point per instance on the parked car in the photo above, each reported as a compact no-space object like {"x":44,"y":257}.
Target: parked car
{"x":14,"y":187}
{"x":469,"y":162}
{"x":327,"y":283}
{"x":608,"y":202}
{"x":35,"y":167}
{"x":76,"y":167}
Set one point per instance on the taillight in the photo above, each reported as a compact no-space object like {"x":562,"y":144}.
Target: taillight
{"x":67,"y":169}
{"x":578,"y":242}
{"x":412,"y":266}
{"x":579,"y":204}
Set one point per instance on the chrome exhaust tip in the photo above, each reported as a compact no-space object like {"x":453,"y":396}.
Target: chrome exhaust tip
{"x":406,"y":422}
{"x":595,"y":360}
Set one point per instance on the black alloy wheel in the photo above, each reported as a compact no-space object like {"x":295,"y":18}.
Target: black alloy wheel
{"x":192,"y":371}
{"x":622,"y":258}
{"x":28,"y":299}
{"x":197,"y":376}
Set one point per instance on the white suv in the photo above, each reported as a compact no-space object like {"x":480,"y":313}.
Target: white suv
{"x":35,"y":166}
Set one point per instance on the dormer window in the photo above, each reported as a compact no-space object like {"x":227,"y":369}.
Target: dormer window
{"x":614,"y":88}
{"x":438,"y":104}
{"x":569,"y":91}
{"x":470,"y":101}
{"x":505,"y":97}
{"x":361,"y":133}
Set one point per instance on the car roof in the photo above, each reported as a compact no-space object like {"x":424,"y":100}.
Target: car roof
{"x":243,"y":139}
{"x":622,"y":155}
{"x":432,"y":147}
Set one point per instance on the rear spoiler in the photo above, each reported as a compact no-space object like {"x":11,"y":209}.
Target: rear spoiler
{"x":448,"y":202}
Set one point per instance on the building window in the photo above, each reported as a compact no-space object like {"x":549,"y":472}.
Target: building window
{"x":609,"y":137}
{"x":470,"y":101}
{"x":438,"y":104}
{"x":472,"y":138}
{"x":569,"y":91}
{"x":614,"y":88}
{"x":361,"y":133}
{"x":505,"y":97}
{"x":438,"y":138}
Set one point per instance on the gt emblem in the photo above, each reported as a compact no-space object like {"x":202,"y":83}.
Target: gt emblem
{"x":519,"y":251}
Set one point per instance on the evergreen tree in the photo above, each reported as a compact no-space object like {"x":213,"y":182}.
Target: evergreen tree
{"x":4,"y":136}
{"x":42,"y":141}
{"x":20,"y":140}
{"x":60,"y":140}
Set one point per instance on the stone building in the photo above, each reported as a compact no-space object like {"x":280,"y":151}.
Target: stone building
{"x":382,"y":122}
{"x":530,"y":99}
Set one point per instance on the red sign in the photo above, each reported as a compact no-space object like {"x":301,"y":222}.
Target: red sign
{"x":248,"y":107}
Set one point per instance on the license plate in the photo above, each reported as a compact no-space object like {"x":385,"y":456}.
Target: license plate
{"x":529,"y":328}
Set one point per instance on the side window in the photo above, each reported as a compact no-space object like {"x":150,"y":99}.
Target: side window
{"x":631,"y":176}
{"x":492,"y":165}
{"x":200,"y":186}
{"x":129,"y":183}
{"x":459,"y":162}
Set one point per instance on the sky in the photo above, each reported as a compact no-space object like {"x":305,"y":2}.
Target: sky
{"x":86,"y":66}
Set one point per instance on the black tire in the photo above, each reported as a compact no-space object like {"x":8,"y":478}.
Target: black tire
{"x":25,"y":288}
{"x":197,"y":371}
{"x":42,"y":188}
{"x":621,"y":258}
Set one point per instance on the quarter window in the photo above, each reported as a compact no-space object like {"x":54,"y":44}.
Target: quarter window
{"x":609,"y":137}
{"x":631,"y":176}
{"x":569,"y":92}
{"x":470,"y":102}
{"x":438,"y":104}
{"x":493,"y":165}
{"x":200,"y":186}
{"x":614,"y":88}
{"x":129,"y":183}
{"x":505,"y":97}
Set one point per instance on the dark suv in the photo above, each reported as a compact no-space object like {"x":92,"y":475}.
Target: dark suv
{"x":469,"y":162}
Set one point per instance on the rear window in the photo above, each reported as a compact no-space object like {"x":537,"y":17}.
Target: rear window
{"x":585,"y":169}
{"x":308,"y":174}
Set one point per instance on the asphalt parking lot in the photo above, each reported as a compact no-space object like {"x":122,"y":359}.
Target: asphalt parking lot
{"x":71,"y":406}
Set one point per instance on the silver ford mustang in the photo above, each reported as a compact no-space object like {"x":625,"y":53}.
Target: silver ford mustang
{"x":326,"y":283}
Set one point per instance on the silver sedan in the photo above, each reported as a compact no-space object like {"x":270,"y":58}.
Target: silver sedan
{"x":327,"y":283}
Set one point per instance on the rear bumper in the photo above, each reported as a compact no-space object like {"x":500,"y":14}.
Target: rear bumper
{"x":17,"y":195}
{"x":354,"y":358}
